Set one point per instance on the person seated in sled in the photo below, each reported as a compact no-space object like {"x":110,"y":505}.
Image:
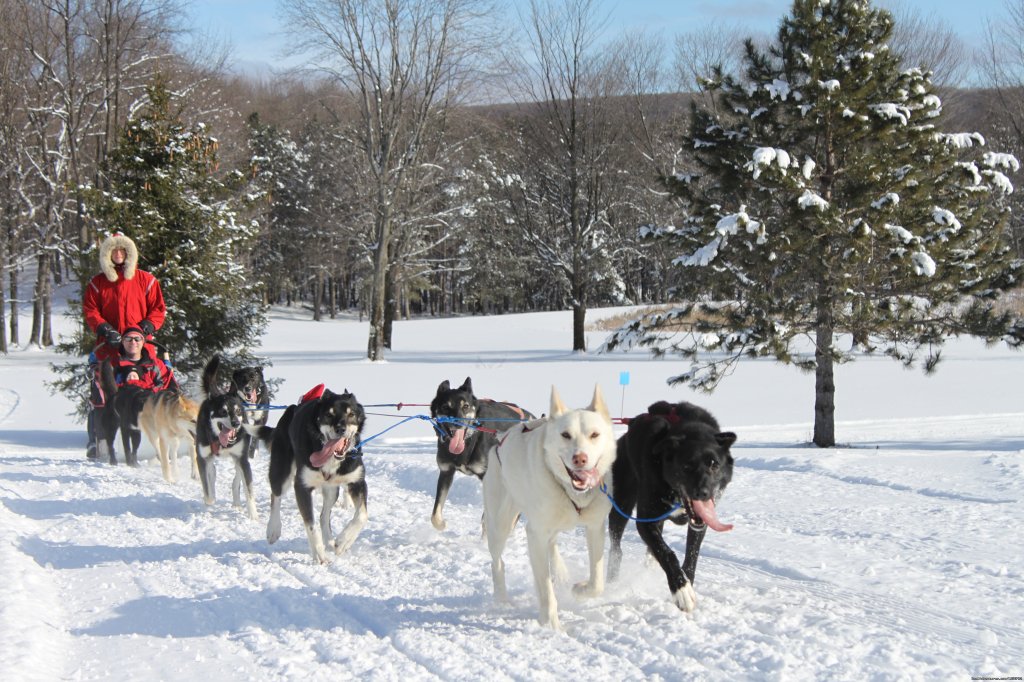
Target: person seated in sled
{"x":137,"y":366}
{"x":118,"y":297}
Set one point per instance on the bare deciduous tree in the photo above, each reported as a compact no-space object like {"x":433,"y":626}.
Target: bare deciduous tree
{"x":84,"y":56}
{"x":13,"y":174}
{"x":571,"y":89}
{"x":700,"y":50}
{"x":924,"y":40}
{"x":1002,"y":66}
{"x":405,"y":62}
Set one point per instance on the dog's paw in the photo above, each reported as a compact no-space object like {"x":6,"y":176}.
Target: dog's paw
{"x":551,"y":620}
{"x":273,"y":531}
{"x":438,"y":522}
{"x":685,"y":598}
{"x":344,"y":541}
{"x":586,"y":590}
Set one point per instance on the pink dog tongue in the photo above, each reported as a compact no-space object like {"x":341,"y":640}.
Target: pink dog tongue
{"x":323,"y":455}
{"x":225,"y":436}
{"x":585,"y":479}
{"x":705,"y":509}
{"x":458,"y":442}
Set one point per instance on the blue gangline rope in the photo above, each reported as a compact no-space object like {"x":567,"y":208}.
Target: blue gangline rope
{"x":670,"y":512}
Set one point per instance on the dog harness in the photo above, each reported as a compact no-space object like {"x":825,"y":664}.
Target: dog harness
{"x":497,"y":448}
{"x":314,"y":393}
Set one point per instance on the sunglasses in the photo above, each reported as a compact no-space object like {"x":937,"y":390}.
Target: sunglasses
{"x":135,"y":339}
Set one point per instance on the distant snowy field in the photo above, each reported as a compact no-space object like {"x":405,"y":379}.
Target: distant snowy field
{"x":896,"y":556}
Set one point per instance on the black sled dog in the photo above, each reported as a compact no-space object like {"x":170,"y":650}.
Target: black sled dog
{"x":220,"y":432}
{"x":317,"y":443}
{"x":121,"y":413}
{"x":462,"y":449}
{"x":675,"y":454}
{"x":249,"y":384}
{"x":251,"y":388}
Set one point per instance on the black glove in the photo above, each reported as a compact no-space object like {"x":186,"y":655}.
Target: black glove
{"x":147,"y":327}
{"x":109,"y":333}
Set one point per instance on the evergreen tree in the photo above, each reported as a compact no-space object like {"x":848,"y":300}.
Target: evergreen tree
{"x":826,"y":200}
{"x":165,"y":194}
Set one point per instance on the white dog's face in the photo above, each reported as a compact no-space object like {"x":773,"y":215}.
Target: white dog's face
{"x":579,"y":444}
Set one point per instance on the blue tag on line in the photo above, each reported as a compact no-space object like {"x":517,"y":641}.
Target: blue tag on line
{"x":624,"y":378}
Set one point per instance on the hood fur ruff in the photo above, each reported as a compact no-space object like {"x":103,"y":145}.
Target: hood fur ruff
{"x":131,"y":261}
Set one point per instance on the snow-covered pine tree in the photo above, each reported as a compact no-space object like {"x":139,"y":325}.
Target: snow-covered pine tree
{"x":827,"y":209}
{"x":164,"y":192}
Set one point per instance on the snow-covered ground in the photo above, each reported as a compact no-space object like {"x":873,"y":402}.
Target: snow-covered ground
{"x":896,"y":556}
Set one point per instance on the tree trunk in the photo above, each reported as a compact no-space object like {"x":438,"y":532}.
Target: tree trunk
{"x":47,"y":317}
{"x":318,"y":295}
{"x":579,"y":337}
{"x":332,"y":296}
{"x":378,"y":294}
{"x":579,"y":313}
{"x":390,"y":310}
{"x":3,"y":310}
{"x":39,"y":322}
{"x":13,"y":273}
{"x":824,"y":381}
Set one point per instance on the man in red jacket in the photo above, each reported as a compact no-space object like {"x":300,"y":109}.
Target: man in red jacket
{"x":119,"y":297}
{"x":138,"y":367}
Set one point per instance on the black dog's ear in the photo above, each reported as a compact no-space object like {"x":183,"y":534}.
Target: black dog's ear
{"x":664,"y":444}
{"x":655,"y":426}
{"x":726,"y":438}
{"x":649,"y":429}
{"x":444,"y":387}
{"x":467,"y":385}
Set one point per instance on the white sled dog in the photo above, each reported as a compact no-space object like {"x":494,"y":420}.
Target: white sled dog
{"x":550,"y":470}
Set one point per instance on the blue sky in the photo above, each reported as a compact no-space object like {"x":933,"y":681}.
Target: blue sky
{"x":250,"y":25}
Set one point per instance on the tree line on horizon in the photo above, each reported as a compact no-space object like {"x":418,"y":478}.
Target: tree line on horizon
{"x":415,"y":169}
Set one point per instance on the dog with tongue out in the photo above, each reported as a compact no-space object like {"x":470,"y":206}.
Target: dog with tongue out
{"x":317,"y":444}
{"x":462,"y":444}
{"x":673,"y":463}
{"x":220,"y":434}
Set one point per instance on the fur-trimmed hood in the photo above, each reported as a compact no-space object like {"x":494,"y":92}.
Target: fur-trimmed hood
{"x":131,"y":261}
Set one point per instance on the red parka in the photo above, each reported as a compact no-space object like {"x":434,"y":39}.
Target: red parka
{"x":122,"y":296}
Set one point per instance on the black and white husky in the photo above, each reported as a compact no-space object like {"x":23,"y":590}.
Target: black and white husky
{"x":220,"y":433}
{"x":251,"y":388}
{"x":464,"y":449}
{"x":317,"y":442}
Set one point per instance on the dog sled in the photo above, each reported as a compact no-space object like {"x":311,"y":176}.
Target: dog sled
{"x":151,"y":374}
